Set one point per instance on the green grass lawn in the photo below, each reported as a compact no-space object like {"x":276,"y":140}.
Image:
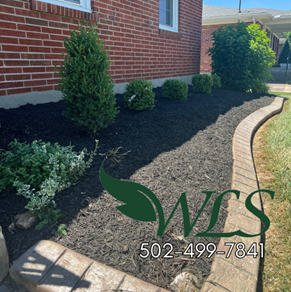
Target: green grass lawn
{"x":275,"y":151}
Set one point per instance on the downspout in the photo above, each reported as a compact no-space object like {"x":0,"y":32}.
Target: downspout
{"x":254,"y":19}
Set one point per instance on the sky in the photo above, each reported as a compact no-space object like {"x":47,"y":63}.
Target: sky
{"x":272,"y":4}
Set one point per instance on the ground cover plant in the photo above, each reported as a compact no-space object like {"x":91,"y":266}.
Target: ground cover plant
{"x":272,"y":160}
{"x":176,"y":147}
{"x":241,"y":57}
{"x":39,"y":170}
{"x":85,"y":83}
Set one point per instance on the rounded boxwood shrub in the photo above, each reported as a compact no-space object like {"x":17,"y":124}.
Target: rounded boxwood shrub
{"x":139,"y":95}
{"x":175,"y":89}
{"x":202,"y":83}
{"x":216,"y":81}
{"x":85,"y":83}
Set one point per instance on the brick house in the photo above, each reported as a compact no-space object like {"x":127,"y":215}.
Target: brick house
{"x":148,"y":39}
{"x":275,"y":22}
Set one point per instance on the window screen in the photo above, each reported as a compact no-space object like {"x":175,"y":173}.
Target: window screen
{"x":166,"y":12}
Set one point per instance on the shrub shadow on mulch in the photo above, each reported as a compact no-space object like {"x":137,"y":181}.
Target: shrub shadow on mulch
{"x":179,"y":146}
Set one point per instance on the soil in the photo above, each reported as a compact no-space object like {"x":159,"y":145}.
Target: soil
{"x":179,"y":146}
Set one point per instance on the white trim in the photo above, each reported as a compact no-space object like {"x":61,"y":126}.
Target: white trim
{"x":235,"y":18}
{"x":85,"y":5}
{"x":174,"y":28}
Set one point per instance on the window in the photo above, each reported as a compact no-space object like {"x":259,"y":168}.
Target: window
{"x":83,"y":5}
{"x":168,"y":13}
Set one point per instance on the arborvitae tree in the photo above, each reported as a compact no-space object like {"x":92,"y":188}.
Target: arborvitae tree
{"x":284,"y":54}
{"x":85,"y":83}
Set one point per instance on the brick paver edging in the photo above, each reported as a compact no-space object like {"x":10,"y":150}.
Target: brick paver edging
{"x":50,"y":267}
{"x":241,"y":274}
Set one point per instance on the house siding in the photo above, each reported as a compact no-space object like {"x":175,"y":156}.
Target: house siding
{"x":206,"y":43}
{"x":32,"y":35}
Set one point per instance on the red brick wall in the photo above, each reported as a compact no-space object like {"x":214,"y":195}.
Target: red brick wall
{"x":206,"y":43}
{"x":32,"y":35}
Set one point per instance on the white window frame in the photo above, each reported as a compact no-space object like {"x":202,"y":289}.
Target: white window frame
{"x":174,"y":28}
{"x":85,"y":5}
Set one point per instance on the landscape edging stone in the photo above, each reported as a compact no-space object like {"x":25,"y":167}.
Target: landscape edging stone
{"x":241,"y":274}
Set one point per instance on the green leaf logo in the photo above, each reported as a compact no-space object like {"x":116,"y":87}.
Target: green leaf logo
{"x":139,"y":204}
{"x":135,"y":196}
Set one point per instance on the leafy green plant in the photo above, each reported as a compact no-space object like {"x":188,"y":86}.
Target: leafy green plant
{"x":47,"y":216}
{"x":61,"y":230}
{"x":39,"y":170}
{"x":202,"y":83}
{"x":284,"y":53}
{"x":139,"y":95}
{"x":262,"y":57}
{"x":241,"y":56}
{"x":175,"y":89}
{"x":216,"y":81}
{"x":261,"y":89}
{"x":85,"y":83}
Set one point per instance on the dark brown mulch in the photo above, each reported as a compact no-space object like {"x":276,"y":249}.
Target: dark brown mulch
{"x":177,"y":147}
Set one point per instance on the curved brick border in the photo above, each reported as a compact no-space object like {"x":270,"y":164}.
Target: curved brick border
{"x":234,"y":274}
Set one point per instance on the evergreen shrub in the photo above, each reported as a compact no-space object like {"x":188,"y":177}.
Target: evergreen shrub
{"x":139,"y":95}
{"x":85,"y":83}
{"x":284,"y":53}
{"x":216,"y":81}
{"x":175,"y":89}
{"x":202,"y":83}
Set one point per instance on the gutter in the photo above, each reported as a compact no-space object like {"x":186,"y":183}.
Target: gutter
{"x":238,"y":16}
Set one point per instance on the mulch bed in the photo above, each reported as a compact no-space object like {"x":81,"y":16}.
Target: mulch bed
{"x":177,"y":147}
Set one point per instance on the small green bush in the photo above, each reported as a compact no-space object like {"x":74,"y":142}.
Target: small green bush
{"x":175,"y":89}
{"x":85,"y":83}
{"x":260,"y":88}
{"x":39,"y":170}
{"x":216,"y":81}
{"x":139,"y":95}
{"x":202,"y":83}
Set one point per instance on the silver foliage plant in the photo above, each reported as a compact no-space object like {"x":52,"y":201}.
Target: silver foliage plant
{"x":61,"y":177}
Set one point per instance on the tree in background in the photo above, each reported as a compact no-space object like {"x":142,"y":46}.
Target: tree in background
{"x":285,"y":52}
{"x":241,"y":57}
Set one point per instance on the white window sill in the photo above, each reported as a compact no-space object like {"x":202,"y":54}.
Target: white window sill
{"x":68,"y":5}
{"x":164,"y":27}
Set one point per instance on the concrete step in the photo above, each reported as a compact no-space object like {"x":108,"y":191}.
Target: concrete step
{"x":50,"y":267}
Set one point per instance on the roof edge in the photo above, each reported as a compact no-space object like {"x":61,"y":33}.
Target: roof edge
{"x":240,"y":16}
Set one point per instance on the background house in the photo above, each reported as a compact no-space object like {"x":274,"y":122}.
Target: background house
{"x":275,"y":22}
{"x":148,"y":39}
